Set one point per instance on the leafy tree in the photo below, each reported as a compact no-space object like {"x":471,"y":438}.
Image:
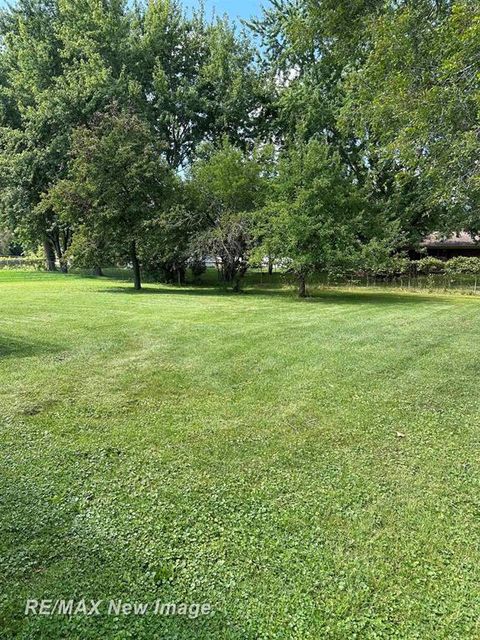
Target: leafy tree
{"x":308,"y":46}
{"x":226,"y":186}
{"x":116,"y":182}
{"x":199,"y":80}
{"x":313,"y":218}
{"x":61,"y":61}
{"x":239,"y":95}
{"x":29,"y":60}
{"x":328,"y":58}
{"x":418,"y":95}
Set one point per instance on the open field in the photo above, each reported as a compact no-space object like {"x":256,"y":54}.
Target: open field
{"x":310,"y":469}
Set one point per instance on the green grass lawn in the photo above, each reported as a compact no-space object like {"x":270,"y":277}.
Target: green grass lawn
{"x":191,"y":445}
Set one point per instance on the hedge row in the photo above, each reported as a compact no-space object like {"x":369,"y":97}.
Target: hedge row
{"x":19,"y":262}
{"x":398,"y":266}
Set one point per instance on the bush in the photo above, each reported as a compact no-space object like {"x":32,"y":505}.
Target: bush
{"x":398,"y":266}
{"x":390,"y":267}
{"x":22,"y":263}
{"x":377,"y":258}
{"x":429,"y":265}
{"x":463,"y":265}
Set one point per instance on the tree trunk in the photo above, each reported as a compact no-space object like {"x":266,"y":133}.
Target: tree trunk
{"x":49,"y":256}
{"x":270,"y":266}
{"x":228,"y":271}
{"x":97,"y":271}
{"x":181,"y":275}
{"x":136,"y":266}
{"x":302,"y":287}
{"x":57,"y":245}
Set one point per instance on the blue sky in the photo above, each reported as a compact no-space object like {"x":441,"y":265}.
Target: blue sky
{"x":234,"y":8}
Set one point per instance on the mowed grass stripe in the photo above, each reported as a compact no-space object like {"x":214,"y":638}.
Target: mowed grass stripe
{"x":242,"y":450}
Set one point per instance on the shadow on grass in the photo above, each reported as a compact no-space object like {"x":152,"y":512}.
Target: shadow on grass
{"x":322,"y":296}
{"x":21,"y":348}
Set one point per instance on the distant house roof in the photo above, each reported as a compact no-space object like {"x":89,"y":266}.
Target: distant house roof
{"x":456,"y":240}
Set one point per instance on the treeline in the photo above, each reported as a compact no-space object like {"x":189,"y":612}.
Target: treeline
{"x":398,"y":266}
{"x":329,"y":135}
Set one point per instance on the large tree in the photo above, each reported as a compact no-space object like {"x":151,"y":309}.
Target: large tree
{"x":331,"y":59}
{"x":199,"y":80}
{"x":418,"y":94}
{"x":63,"y":60}
{"x":117,"y":181}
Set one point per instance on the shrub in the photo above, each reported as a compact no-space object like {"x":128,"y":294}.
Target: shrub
{"x":399,"y":266}
{"x":389,"y":267}
{"x":463,"y":265}
{"x":429,"y":265}
{"x":19,"y":262}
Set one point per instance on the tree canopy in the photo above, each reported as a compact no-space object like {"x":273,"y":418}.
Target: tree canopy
{"x":323,"y":130}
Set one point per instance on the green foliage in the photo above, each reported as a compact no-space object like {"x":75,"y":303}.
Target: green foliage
{"x":377,"y":257}
{"x":430,"y":265}
{"x":89,"y":249}
{"x":117,"y":181}
{"x":62,"y":61}
{"x":165,"y":248}
{"x":312,"y":217}
{"x":389,"y":91}
{"x":418,"y":95}
{"x":393,"y":88}
{"x":226,"y":187}
{"x":226,"y":179}
{"x":463,"y":265}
